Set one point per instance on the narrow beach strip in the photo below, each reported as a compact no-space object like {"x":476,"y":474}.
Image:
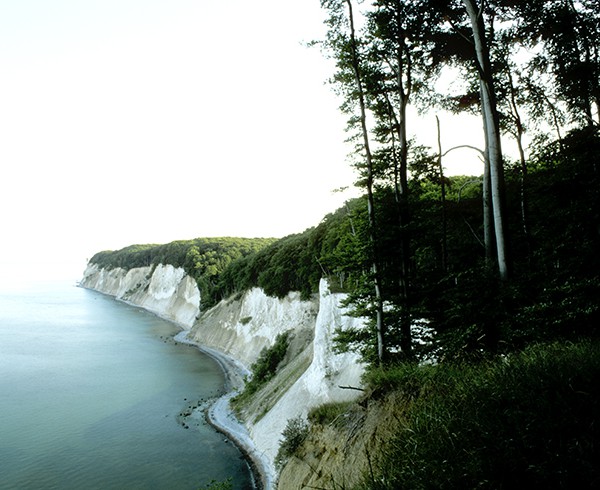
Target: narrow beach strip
{"x":221,"y":416}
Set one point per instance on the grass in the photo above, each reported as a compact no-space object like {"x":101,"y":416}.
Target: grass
{"x":529,"y":420}
{"x":328,"y":413}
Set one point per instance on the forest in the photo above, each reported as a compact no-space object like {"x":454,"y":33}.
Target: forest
{"x":481,"y":292}
{"x":489,"y":263}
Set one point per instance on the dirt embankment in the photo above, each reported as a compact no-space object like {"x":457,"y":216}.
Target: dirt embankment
{"x":339,"y":453}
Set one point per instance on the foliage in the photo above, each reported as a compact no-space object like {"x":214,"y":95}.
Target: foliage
{"x":283,"y":266}
{"x":552,"y":294}
{"x":327,"y":413}
{"x":565,"y":34}
{"x":527,"y":420}
{"x":294,"y":434}
{"x":296,"y":262}
{"x":266,"y":365}
{"x":127,"y":258}
{"x":204,"y":259}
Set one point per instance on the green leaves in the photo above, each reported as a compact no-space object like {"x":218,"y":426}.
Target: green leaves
{"x":265,"y":367}
{"x":294,"y":434}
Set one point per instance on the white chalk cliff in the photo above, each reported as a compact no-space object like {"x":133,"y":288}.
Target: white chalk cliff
{"x":320,"y":383}
{"x":240,"y":328}
{"x":164,"y":290}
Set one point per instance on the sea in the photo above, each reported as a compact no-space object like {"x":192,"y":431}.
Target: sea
{"x":96,"y":394}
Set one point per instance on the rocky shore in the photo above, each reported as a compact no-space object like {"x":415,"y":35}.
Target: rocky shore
{"x":221,"y":416}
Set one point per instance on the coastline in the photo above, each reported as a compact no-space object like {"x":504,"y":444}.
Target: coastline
{"x":221,"y":417}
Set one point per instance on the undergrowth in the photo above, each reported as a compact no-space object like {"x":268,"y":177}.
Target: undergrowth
{"x":328,"y":413}
{"x":265,"y":367}
{"x":294,"y":434}
{"x":529,"y":420}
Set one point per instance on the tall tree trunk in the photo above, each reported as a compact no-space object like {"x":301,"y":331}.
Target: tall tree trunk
{"x":443,"y":189}
{"x":519,"y":137}
{"x":404,"y":72}
{"x":492,"y":125}
{"x":380,"y":327}
{"x":489,"y":237}
{"x":401,"y":198}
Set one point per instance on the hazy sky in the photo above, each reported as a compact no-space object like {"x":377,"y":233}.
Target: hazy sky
{"x":147,"y":121}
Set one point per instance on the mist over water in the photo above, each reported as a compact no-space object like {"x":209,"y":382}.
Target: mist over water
{"x":91,"y":392}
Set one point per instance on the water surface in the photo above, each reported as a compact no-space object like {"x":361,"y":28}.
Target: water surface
{"x":91,"y":392}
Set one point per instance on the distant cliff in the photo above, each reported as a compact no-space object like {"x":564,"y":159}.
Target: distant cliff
{"x":241,"y":327}
{"x":164,"y":290}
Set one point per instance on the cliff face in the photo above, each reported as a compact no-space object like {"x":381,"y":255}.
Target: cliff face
{"x":165,"y":290}
{"x":313,"y":373}
{"x":340,"y":452}
{"x":320,"y":383}
{"x":241,"y":327}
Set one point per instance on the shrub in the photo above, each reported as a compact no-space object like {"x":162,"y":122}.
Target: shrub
{"x":265,"y":366}
{"x":294,"y":434}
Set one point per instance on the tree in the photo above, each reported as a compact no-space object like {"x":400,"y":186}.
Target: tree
{"x":567,"y":31}
{"x":395,"y":33}
{"x":343,"y":42}
{"x":491,"y":123}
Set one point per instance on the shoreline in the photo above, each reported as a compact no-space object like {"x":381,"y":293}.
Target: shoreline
{"x":220,"y":416}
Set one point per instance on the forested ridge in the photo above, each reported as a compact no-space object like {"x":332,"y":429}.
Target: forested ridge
{"x":203,"y":259}
{"x":499,"y":273}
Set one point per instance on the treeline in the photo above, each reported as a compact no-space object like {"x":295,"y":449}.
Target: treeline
{"x":552,"y":295}
{"x":204,"y":259}
{"x":225,"y":266}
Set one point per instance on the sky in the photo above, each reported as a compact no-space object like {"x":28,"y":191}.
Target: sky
{"x":148,"y":121}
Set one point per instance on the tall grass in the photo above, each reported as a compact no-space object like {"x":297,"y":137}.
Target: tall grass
{"x":529,"y":420}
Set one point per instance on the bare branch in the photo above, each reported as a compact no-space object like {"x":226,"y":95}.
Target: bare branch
{"x":350,"y":388}
{"x":481,"y":152}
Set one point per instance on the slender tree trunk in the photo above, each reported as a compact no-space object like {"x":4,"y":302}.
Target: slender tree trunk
{"x":380,"y":327}
{"x":489,"y":237}
{"x":402,"y":71}
{"x":488,"y":230}
{"x":443,"y":189}
{"x":492,"y":125}
{"x":523,"y":161}
{"x":553,"y":110}
{"x":405,"y":320}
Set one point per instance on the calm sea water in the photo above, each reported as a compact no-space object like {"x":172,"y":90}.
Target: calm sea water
{"x":91,"y":392}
